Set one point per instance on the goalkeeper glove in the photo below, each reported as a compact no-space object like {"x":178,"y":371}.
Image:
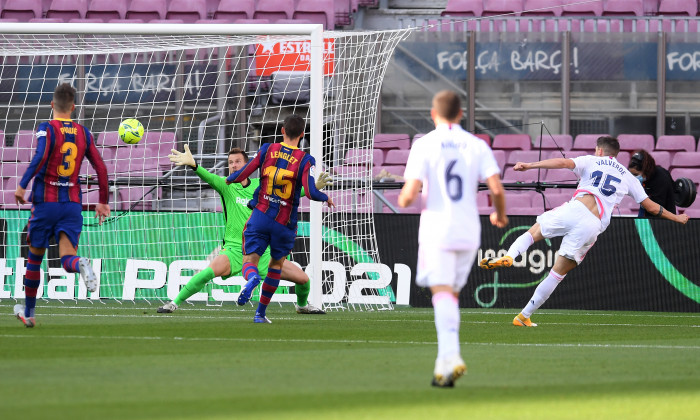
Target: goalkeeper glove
{"x":323,"y":181}
{"x":180,"y":158}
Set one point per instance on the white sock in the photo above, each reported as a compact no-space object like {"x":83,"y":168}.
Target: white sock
{"x":520,"y":245}
{"x":542,"y":293}
{"x":446,"y":308}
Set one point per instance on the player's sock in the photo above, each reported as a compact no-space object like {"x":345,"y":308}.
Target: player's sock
{"x":542,"y":293}
{"x":520,"y":245}
{"x":70,"y":263}
{"x":248,"y":270}
{"x":446,"y":307}
{"x":195,"y":284}
{"x":302,"y":291}
{"x":268,"y":289}
{"x":32,"y":279}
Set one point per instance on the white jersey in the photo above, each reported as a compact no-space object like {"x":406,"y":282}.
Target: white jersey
{"x":450,"y":162}
{"x":609,"y":181}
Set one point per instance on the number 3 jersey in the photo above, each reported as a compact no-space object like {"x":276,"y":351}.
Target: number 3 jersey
{"x":284,"y":169}
{"x":61,"y":146}
{"x":608,"y":181}
{"x":450,"y":162}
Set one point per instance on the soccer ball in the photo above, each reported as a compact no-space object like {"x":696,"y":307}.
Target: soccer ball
{"x":130,"y":131}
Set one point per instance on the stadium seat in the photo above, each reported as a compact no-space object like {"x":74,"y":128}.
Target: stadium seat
{"x":293,"y":21}
{"x":547,"y":7}
{"x":316,"y":11}
{"x":188,"y":11}
{"x":623,"y":158}
{"x":377,"y":157}
{"x":523,"y":156}
{"x":26,"y":139}
{"x":691,"y":173}
{"x":388,"y":141}
{"x":656,"y":25}
{"x":500,"y":7}
{"x":8,"y":200}
{"x":47,"y":20}
{"x":14,"y":154}
{"x":106,"y":9}
{"x":359,"y":156}
{"x":686,"y":160}
{"x":519,"y":202}
{"x":87,"y":20}
{"x":554,"y":142}
{"x":560,"y":176}
{"x":147,"y":10}
{"x":235,"y":9}
{"x":109,"y":139}
{"x":678,"y":7}
{"x":602,"y":25}
{"x":394,"y":170}
{"x":396,"y":157}
{"x":693,"y":213}
{"x":67,"y":9}
{"x":22,"y":10}
{"x":627,"y":207}
{"x":343,"y":10}
{"x":500,"y":156}
{"x":623,"y":7}
{"x":512,"y":142}
{"x":274,"y":9}
{"x":594,"y":8}
{"x":568,"y":154}
{"x":555,"y":198}
{"x":346,"y":201}
{"x":141,"y":198}
{"x":463,"y":8}
{"x":631,"y":142}
{"x":661,"y":158}
{"x":160,"y":143}
{"x":675,"y":143}
{"x":509,"y":175}
{"x":484,"y":137}
{"x":12,"y":170}
{"x":586,"y":142}
{"x":393,"y":197}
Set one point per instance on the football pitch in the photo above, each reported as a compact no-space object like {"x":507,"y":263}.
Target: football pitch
{"x":125,"y":361}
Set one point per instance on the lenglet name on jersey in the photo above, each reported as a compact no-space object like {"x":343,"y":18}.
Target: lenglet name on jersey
{"x":612,"y":163}
{"x":286,"y":156}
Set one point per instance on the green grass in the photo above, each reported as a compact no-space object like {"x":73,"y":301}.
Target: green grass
{"x":127,"y":362}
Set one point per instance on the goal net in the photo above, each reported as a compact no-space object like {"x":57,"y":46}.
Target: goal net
{"x":196,"y":85}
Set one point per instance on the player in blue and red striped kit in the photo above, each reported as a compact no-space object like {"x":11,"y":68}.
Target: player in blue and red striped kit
{"x":284,"y":169}
{"x":56,"y":196}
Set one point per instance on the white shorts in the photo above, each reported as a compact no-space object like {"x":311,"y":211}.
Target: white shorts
{"x":578,"y":226}
{"x":439,"y":267}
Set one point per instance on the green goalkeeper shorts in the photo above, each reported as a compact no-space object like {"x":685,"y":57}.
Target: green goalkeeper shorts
{"x":235,"y":259}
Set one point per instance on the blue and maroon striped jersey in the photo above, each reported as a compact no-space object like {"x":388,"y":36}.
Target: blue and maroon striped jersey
{"x":55,"y":167}
{"x":284,"y":169}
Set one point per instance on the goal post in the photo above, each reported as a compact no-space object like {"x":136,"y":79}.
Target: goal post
{"x":211,"y":86}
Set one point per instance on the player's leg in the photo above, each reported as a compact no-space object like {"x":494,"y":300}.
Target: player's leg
{"x":68,"y":230}
{"x":292,"y":272}
{"x":32,"y":280}
{"x":521,"y":244}
{"x":544,"y":290}
{"x":268,"y":289}
{"x":256,"y":239}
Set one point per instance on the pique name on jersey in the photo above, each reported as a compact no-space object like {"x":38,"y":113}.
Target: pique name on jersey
{"x":69,"y":130}
{"x":286,"y":156}
{"x":609,"y":162}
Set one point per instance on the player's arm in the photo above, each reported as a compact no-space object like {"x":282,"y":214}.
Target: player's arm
{"x":93,"y":156}
{"x":186,"y":159}
{"x":250,"y":167}
{"x":309,"y":184}
{"x":556,"y":163}
{"x":655,"y":209}
{"x":38,"y":162}
{"x":498,"y":196}
{"x":322,"y":182}
{"x":409,"y":192}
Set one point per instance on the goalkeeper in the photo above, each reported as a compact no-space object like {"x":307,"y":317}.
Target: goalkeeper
{"x":235,"y":198}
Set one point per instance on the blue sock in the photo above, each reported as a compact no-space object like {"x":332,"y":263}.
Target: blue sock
{"x":70,"y":263}
{"x":32,"y":280}
{"x":268,"y":289}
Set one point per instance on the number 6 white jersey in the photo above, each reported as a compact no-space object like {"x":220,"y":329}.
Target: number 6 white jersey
{"x":450,"y":162}
{"x":609,"y":181}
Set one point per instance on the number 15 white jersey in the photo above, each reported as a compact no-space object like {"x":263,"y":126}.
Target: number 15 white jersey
{"x":450,"y":162}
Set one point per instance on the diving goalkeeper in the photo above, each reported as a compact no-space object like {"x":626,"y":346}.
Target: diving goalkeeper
{"x":229,"y":262}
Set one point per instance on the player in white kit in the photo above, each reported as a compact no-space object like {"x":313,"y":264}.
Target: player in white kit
{"x":603,"y":183}
{"x":448,"y":164}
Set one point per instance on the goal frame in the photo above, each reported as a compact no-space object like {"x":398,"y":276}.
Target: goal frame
{"x":314,"y":31}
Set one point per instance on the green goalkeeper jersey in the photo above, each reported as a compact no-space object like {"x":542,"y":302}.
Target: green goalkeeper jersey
{"x":235,"y":198}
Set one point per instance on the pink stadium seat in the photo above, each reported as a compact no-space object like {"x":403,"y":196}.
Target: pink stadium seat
{"x":686,"y":160}
{"x":551,"y":7}
{"x":293,"y":22}
{"x":316,"y":11}
{"x":157,"y":21}
{"x":274,"y":9}
{"x":214,"y":21}
{"x":636,"y":141}
{"x":67,"y":9}
{"x":393,"y":197}
{"x":388,"y":141}
{"x":648,"y":25}
{"x":555,"y":197}
{"x":87,"y":20}
{"x":235,"y":9}
{"x":188,"y":10}
{"x":136,"y":21}
{"x":252,"y":21}
{"x":8,"y":201}
{"x":500,"y":156}
{"x":343,"y":10}
{"x":160,"y":143}
{"x":661,"y":158}
{"x":554,"y":142}
{"x":8,"y":20}
{"x":397,"y":170}
{"x":568,"y":154}
{"x":14,"y":154}
{"x":12,"y":169}
{"x":47,"y":20}
{"x":416,"y":137}
{"x":377,"y":157}
{"x":517,"y":201}
{"x":678,"y":7}
{"x":26,"y":139}
{"x":691,"y":173}
{"x":512,"y":142}
{"x":509,"y":175}
{"x":463,"y":8}
{"x":586,"y":142}
{"x":623,"y":7}
{"x":582,"y":9}
{"x":396,"y":157}
{"x":676,"y":143}
{"x":626,"y":207}
{"x":602,"y":25}
{"x":107,"y":153}
{"x":484,"y":137}
{"x":623,"y":158}
{"x":560,"y":176}
{"x":22,"y":10}
{"x":147,"y":10}
{"x":359,"y":156}
{"x":500,"y":7}
{"x":139,"y":197}
{"x":109,"y":139}
{"x":524,"y":156}
{"x":693,"y":213}
{"x":107,"y":9}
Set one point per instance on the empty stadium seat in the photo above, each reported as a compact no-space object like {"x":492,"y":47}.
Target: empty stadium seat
{"x":509,"y":175}
{"x":293,"y":21}
{"x":140,"y":198}
{"x":463,"y":8}
{"x":678,"y":7}
{"x":594,"y":8}
{"x":359,"y":156}
{"x":106,"y":9}
{"x":586,"y":142}
{"x":623,"y":7}
{"x":512,"y":142}
{"x":160,"y":143}
{"x":316,"y":11}
{"x":555,"y":198}
{"x":623,"y":158}
{"x":686,"y":160}
{"x":691,"y":173}
{"x":601,"y":25}
{"x":500,"y":156}
{"x":662,"y":158}
{"x":235,"y":9}
{"x":67,"y":9}
{"x":500,"y":7}
{"x":109,"y":139}
{"x":22,"y":10}
{"x":675,"y":143}
{"x":484,"y":137}
{"x":631,"y":142}
{"x":568,"y":154}
{"x":627,"y":207}
{"x":520,"y":203}
{"x":87,"y":20}
{"x":25,"y":139}
{"x":554,"y":142}
{"x":15,"y":154}
{"x":396,"y":157}
{"x":416,"y":137}
{"x":523,"y":156}
{"x":393,"y":197}
{"x":147,"y":10}
{"x":388,"y":141}
{"x":274,"y":9}
{"x":560,"y":176}
{"x":542,"y":7}
{"x":188,"y":11}
{"x":693,"y":213}
{"x":377,"y":157}
{"x":394,"y":170}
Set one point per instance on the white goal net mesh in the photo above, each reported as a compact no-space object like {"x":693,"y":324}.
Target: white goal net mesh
{"x":213,"y":93}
